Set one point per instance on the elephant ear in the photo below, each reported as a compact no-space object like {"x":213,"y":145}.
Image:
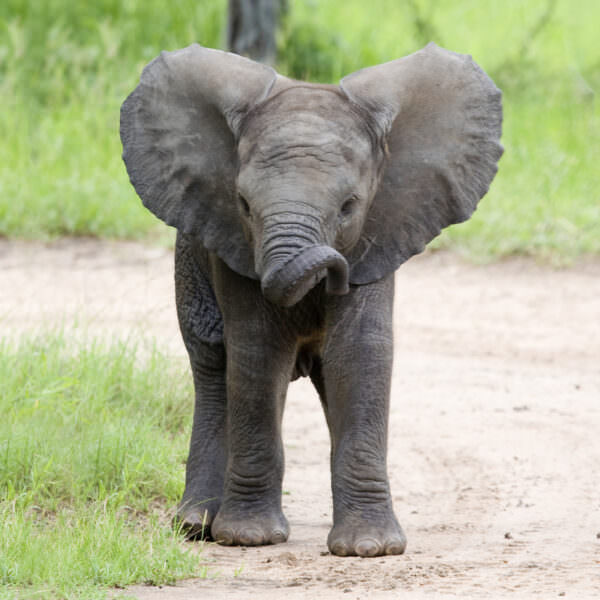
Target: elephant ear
{"x":442,"y":117}
{"x":178,"y":131}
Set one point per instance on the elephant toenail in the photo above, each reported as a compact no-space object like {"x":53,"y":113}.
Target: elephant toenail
{"x":395,"y":547}
{"x":251,"y":537}
{"x":368,"y":547}
{"x":339,"y":549}
{"x":195,"y":533}
{"x":278,"y":537}
{"x":225,"y":537}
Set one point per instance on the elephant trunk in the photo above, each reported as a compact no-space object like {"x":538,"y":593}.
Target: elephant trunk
{"x":286,"y":281}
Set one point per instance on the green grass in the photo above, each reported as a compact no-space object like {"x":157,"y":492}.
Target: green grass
{"x":93,"y":439}
{"x":66,"y":67}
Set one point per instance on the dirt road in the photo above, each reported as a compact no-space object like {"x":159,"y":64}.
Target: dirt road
{"x":494,"y":434}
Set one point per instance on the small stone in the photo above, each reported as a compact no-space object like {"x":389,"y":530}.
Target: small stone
{"x":508,"y":535}
{"x":287,"y":558}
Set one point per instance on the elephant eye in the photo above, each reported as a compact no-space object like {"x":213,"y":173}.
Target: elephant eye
{"x":244,"y":205}
{"x":348,"y":207}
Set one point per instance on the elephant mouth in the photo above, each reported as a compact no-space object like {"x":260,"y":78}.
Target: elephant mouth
{"x":286,"y":283}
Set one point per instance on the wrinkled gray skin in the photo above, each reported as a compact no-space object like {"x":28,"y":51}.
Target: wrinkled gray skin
{"x":294,"y":204}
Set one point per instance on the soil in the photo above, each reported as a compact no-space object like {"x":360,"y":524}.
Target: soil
{"x":494,"y":453}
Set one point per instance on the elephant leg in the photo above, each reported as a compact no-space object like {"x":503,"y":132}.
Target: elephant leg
{"x":261,"y":354}
{"x":201,"y":327}
{"x":257,"y":379}
{"x":205,"y":467}
{"x":316,"y":377}
{"x":356,"y":370}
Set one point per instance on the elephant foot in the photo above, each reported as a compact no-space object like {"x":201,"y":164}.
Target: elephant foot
{"x":270,"y":527}
{"x":357,"y":537}
{"x":194,"y":519}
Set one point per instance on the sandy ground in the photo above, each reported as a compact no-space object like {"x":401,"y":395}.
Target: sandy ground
{"x":494,"y":452}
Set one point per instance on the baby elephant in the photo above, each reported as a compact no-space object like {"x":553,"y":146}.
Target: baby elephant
{"x":294,"y":205}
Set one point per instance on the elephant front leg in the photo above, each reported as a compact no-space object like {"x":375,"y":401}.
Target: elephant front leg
{"x":356,"y":369}
{"x":251,"y":513}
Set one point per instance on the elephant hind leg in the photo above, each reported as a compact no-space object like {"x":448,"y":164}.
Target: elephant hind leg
{"x":201,"y":327}
{"x":316,"y":376}
{"x":207,"y":459}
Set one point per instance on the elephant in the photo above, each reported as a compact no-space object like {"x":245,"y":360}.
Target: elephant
{"x":294,"y":204}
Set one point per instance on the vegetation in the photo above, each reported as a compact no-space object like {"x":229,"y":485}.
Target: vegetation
{"x":93,"y":440}
{"x":66,"y":67}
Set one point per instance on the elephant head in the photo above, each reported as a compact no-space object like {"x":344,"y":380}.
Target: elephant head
{"x":290,"y":182}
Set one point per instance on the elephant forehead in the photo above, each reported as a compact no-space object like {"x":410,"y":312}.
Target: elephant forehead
{"x":305,"y":125}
